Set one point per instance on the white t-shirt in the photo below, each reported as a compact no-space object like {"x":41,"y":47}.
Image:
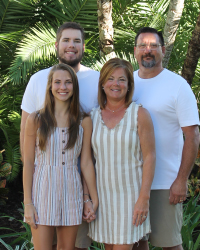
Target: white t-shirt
{"x":34,"y":95}
{"x":172,"y":105}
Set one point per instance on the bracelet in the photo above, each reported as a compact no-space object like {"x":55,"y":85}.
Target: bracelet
{"x":87,"y":201}
{"x":28,"y":204}
{"x":87,"y":194}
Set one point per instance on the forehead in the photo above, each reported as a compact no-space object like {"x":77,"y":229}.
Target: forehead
{"x":61,"y":73}
{"x":148,"y":38}
{"x":119,"y":71}
{"x":71,"y":34}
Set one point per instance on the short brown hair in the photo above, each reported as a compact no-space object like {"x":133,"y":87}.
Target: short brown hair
{"x":69,"y":25}
{"x":105,"y":73}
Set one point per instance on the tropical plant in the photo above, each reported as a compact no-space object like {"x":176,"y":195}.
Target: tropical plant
{"x":22,"y":239}
{"x":191,"y":221}
{"x":23,"y":247}
{"x":5,"y":170}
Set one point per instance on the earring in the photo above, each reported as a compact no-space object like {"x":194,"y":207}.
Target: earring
{"x":103,"y":88}
{"x":128,"y":90}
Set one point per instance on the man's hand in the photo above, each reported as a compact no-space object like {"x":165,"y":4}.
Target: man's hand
{"x":178,"y":191}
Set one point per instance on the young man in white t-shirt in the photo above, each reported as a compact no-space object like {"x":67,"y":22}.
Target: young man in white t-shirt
{"x":70,"y":48}
{"x":173,"y":109}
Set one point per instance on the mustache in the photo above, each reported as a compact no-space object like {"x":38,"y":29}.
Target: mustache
{"x":148,"y":55}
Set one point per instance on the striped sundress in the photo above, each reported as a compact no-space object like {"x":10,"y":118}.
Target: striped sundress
{"x":119,"y":176}
{"x":57,"y":190}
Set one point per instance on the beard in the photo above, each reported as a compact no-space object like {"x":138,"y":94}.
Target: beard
{"x":150,"y":64}
{"x":72,"y":63}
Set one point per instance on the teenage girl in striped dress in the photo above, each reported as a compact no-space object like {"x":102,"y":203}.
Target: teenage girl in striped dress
{"x":54,"y":138}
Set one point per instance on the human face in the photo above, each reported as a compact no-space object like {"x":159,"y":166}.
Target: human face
{"x":70,"y":48}
{"x":62,"y":86}
{"x":149,"y":58}
{"x":116,"y":86}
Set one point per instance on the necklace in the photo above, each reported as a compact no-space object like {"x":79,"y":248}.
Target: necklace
{"x":116,"y":109}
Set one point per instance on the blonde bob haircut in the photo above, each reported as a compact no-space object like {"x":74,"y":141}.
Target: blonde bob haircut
{"x":106,"y":71}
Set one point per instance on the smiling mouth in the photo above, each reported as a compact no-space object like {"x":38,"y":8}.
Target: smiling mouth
{"x":63,"y":93}
{"x":115,"y":90}
{"x":71,"y":52}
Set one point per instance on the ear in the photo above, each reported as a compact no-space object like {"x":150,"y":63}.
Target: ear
{"x":134,"y":50}
{"x":163,"y":50}
{"x":83,"y":47}
{"x":56,"y":45}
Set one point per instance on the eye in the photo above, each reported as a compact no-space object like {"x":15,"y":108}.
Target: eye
{"x":122,"y":80}
{"x":153,"y":45}
{"x":142,"y":46}
{"x":69,"y":82}
{"x":57,"y":82}
{"x":110,"y":78}
{"x":77,"y":40}
{"x":66,"y":40}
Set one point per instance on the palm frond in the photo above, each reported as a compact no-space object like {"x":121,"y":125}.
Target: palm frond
{"x":38,"y":45}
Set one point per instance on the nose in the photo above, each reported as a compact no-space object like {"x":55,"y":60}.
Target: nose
{"x":63,"y":85}
{"x":147,"y":48}
{"x":116,"y":82}
{"x":71,"y":43}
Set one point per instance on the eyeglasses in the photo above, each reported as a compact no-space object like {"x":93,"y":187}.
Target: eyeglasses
{"x":152,"y":46}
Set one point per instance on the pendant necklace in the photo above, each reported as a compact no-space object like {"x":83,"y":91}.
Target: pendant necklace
{"x":116,"y":109}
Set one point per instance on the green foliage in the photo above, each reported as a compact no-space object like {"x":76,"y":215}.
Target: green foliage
{"x":10,"y":99}
{"x":23,"y":247}
{"x":191,"y":221}
{"x":5,"y":170}
{"x":22,"y":240}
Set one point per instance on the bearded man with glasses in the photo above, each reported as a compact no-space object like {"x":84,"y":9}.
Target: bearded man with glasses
{"x":173,"y":109}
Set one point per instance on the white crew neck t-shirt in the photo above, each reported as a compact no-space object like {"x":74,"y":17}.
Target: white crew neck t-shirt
{"x":34,"y":95}
{"x":172,"y":105}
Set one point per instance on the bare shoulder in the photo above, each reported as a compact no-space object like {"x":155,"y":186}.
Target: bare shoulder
{"x":143,"y":115}
{"x":87,"y":123}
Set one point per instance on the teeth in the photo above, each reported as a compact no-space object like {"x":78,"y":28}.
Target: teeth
{"x":70,"y":52}
{"x":62,"y":93}
{"x":115,"y":89}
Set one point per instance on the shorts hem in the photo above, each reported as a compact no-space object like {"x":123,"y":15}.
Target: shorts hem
{"x":166,"y":245}
{"x":124,"y":243}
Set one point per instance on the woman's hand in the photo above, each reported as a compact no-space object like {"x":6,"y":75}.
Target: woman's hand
{"x":140,"y":212}
{"x":89,"y":212}
{"x":30,"y":215}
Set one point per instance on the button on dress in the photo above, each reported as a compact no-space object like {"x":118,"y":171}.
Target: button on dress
{"x":57,"y":189}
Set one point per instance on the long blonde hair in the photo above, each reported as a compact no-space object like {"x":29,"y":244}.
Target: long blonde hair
{"x":46,"y":116}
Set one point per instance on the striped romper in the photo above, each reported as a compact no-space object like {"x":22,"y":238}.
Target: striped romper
{"x":57,"y":190}
{"x":119,"y":176}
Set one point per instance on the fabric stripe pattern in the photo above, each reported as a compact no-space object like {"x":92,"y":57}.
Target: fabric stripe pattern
{"x":57,"y":190}
{"x":119,"y":176}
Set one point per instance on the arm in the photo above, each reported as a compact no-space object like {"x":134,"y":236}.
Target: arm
{"x":88,"y":211}
{"x":147,"y":142}
{"x":178,"y":189}
{"x":28,"y":170}
{"x":87,"y":166}
{"x":22,"y":131}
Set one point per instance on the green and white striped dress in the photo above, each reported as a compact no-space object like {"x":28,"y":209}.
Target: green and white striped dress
{"x":119,"y":176}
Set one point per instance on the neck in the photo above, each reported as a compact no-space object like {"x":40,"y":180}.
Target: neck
{"x":76,"y":67}
{"x":146,"y":73}
{"x":114,"y":105}
{"x":61,"y":108}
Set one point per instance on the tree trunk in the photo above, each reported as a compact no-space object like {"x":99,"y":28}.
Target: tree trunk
{"x":105,"y":25}
{"x":193,"y":54}
{"x":171,"y":26}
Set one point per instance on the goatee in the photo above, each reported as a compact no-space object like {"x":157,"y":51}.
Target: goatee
{"x":150,"y":64}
